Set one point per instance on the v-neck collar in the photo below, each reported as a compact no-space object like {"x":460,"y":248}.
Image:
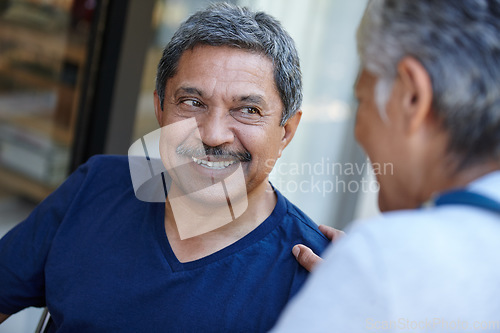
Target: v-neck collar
{"x":254,"y":236}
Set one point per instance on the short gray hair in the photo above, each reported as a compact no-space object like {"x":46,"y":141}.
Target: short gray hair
{"x":224,"y":24}
{"x":458,"y":43}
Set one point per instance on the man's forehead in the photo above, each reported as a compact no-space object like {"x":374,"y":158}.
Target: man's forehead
{"x":237,"y":74}
{"x":226,"y":63}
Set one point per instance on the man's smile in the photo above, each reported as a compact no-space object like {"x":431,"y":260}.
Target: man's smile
{"x":214,"y":164}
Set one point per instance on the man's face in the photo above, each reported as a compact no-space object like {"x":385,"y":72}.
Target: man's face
{"x":383,"y":142}
{"x":232,"y":95}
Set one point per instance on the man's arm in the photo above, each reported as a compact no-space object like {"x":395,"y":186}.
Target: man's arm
{"x":306,"y":257}
{"x":3,"y":317}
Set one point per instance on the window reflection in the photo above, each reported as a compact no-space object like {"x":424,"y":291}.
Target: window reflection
{"x":43,"y":49}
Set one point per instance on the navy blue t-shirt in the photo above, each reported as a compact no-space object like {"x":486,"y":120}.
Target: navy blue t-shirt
{"x":99,"y":259}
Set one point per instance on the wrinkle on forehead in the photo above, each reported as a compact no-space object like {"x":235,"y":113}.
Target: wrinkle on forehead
{"x":242,"y":73}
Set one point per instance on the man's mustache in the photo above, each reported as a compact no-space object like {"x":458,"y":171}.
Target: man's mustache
{"x":205,"y":150}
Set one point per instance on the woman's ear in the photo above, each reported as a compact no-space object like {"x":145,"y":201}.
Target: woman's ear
{"x":416,"y":92}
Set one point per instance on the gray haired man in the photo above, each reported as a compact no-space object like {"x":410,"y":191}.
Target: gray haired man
{"x":429,"y":102}
{"x":214,"y":255}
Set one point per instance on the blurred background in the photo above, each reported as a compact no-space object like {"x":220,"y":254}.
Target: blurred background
{"x":77,"y":79}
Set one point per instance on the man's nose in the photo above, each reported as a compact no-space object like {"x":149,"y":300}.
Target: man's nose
{"x":215,"y":128}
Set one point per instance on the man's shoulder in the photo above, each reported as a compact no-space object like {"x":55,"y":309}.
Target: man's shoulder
{"x":298,"y":222}
{"x":102,"y":171}
{"x":107,"y":161}
{"x":106,"y":166}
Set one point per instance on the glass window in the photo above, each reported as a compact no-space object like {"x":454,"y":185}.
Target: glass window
{"x":43,"y":50}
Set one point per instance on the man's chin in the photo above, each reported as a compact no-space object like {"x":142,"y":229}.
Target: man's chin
{"x":210,"y":193}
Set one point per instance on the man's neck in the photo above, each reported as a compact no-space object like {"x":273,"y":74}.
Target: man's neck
{"x":261,"y":203}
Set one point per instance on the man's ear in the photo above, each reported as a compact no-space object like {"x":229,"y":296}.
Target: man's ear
{"x":158,"y":109}
{"x":289,"y":130}
{"x":416,"y":93}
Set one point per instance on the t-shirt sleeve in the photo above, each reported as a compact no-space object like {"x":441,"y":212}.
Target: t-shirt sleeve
{"x":342,"y":294}
{"x":24,"y":249}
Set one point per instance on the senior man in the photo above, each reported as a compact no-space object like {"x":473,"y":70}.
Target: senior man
{"x":227,"y":98}
{"x":429,"y":102}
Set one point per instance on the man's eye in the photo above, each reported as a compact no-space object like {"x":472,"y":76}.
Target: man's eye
{"x":250,"y":110}
{"x":192,"y":102}
{"x":247,"y":114}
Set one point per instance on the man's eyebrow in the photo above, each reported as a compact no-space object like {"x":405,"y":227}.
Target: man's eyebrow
{"x":188,"y":90}
{"x":253,"y":99}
